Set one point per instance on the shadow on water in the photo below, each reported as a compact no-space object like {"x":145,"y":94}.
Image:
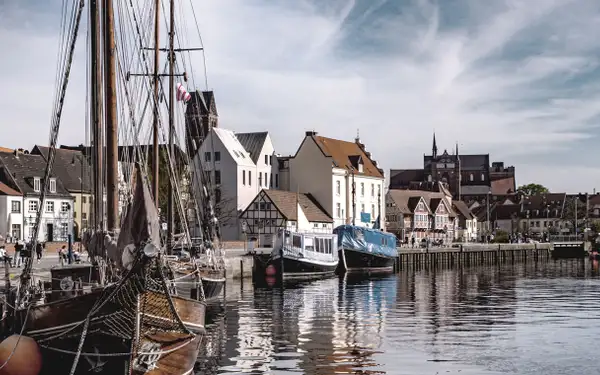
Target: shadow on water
{"x":522,"y":319}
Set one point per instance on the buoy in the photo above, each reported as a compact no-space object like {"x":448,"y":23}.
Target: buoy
{"x":26,"y":359}
{"x":270,"y":270}
{"x":271,"y":281}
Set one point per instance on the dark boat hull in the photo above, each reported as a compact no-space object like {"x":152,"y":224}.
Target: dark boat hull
{"x":353,"y":261}
{"x":303,"y":268}
{"x":212,"y":286}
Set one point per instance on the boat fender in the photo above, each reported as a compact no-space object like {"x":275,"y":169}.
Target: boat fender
{"x":23,"y":356}
{"x":270,"y":271}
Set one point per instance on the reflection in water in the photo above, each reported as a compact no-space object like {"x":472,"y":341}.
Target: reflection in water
{"x":525,"y":319}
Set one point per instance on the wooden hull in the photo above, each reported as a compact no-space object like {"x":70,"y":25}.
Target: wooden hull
{"x":299,"y":269}
{"x":58,"y":328}
{"x":359,"y":262}
{"x":213,"y":283}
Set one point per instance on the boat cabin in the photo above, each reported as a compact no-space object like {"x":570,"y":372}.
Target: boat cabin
{"x":317,"y":246}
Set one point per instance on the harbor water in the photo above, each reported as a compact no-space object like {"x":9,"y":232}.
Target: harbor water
{"x":514,"y":319}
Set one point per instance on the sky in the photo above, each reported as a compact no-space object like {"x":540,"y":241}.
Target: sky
{"x":505,"y":77}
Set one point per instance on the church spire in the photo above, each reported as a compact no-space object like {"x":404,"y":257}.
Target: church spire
{"x":434,"y":149}
{"x":456,"y":148}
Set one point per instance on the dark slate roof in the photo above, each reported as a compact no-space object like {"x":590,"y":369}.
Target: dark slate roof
{"x":126,"y":152}
{"x":461,"y":208}
{"x":253,"y":143}
{"x":400,"y":178}
{"x":20,"y":169}
{"x":71,"y":166}
{"x":474,"y":162}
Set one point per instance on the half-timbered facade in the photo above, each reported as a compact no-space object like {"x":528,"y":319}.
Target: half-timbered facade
{"x":272,"y":210}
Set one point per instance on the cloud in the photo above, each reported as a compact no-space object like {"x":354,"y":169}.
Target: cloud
{"x":503,"y":77}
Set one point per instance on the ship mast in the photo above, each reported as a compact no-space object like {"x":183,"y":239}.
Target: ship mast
{"x":170,"y":221}
{"x":155,"y":156}
{"x":112,"y":192}
{"x":96,"y":117}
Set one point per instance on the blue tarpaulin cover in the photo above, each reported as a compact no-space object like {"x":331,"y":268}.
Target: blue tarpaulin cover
{"x":369,"y":241}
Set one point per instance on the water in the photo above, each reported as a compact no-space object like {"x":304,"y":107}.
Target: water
{"x":521,"y":319}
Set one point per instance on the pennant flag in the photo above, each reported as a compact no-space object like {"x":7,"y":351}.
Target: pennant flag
{"x":182,"y":94}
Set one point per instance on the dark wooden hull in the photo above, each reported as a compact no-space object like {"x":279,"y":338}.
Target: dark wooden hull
{"x":352,"y":261}
{"x":212,"y":286}
{"x":213,"y":283}
{"x":57,"y":327}
{"x":302,"y":268}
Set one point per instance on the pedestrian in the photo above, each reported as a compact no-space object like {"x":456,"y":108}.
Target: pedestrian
{"x":38,"y":251}
{"x":62,"y":255}
{"x":18,"y":249}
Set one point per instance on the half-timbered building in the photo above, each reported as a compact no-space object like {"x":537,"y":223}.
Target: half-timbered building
{"x":272,"y":210}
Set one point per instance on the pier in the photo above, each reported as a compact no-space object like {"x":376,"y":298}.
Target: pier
{"x":472,"y":255}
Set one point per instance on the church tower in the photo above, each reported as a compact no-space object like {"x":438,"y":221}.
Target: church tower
{"x":200,"y":117}
{"x":434,"y":149}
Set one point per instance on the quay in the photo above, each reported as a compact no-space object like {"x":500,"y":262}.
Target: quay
{"x":472,"y":255}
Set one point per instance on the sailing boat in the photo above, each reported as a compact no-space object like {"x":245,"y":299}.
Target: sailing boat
{"x":124,"y":319}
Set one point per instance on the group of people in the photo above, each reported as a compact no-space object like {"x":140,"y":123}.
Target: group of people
{"x":24,"y":250}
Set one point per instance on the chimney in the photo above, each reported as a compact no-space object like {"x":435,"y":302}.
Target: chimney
{"x":311,"y":133}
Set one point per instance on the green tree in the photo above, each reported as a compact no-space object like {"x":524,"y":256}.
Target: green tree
{"x":532,"y":189}
{"x":500,"y":237}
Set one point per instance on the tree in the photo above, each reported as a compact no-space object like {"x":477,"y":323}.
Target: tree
{"x":575,"y":212}
{"x":532,"y":189}
{"x":500,"y":237}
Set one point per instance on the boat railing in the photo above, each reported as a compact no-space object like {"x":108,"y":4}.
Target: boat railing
{"x":296,"y":252}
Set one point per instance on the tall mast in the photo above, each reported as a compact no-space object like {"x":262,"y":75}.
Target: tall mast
{"x":96,"y":120}
{"x":170,"y":221}
{"x":112,"y":193}
{"x":155,"y":156}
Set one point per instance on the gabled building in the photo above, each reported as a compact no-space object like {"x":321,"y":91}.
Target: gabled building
{"x":24,"y":173}
{"x":272,"y":210}
{"x":74,"y":171}
{"x":420,"y":215}
{"x":239,"y":171}
{"x":200,"y":117}
{"x":466,"y":225}
{"x":327,"y":169}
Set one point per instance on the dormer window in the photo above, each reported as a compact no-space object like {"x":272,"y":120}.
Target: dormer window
{"x":53,"y":185}
{"x":36,"y":184}
{"x":361,"y":167}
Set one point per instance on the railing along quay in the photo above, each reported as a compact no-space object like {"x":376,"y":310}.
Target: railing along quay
{"x":472,"y":255}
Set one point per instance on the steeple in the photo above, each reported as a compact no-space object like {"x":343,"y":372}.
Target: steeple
{"x":457,"y":149}
{"x":434,"y":149}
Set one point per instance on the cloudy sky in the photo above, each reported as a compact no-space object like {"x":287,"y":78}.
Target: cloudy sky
{"x":517,"y":79}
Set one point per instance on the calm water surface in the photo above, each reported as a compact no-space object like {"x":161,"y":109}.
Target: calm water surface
{"x":530,"y":319}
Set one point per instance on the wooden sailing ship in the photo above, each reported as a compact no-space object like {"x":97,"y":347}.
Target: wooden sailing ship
{"x":119,"y":314}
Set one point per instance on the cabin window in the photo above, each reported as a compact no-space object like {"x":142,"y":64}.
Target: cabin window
{"x":36,"y":184}
{"x":244,"y":177}
{"x":308,"y":244}
{"x":217,"y":155}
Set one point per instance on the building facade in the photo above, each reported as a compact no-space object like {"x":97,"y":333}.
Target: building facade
{"x":24,"y":173}
{"x":11,"y":213}
{"x":239,"y":171}
{"x":273,"y":210}
{"x":329,"y":168}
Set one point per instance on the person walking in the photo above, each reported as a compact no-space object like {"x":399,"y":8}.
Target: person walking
{"x":18,"y":249}
{"x":39,"y":248}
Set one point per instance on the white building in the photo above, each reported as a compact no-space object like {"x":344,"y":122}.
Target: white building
{"x":272,"y":210}
{"x":326,"y":168}
{"x":241,"y":165}
{"x":24,"y":173}
{"x":11,"y":213}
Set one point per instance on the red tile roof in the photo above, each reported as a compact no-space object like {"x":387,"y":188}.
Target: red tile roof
{"x":7,"y":190}
{"x":343,"y":153}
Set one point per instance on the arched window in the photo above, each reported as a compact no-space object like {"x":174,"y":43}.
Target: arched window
{"x":429,"y":178}
{"x":471,"y":177}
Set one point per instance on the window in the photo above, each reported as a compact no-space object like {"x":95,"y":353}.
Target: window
{"x":362,"y":207}
{"x":16,"y":231}
{"x":65,"y":206}
{"x":259,"y":179}
{"x":217,"y":195}
{"x":49,"y":206}
{"x":373,"y":211}
{"x":217,"y":177}
{"x":361,"y":167}
{"x":338,"y":187}
{"x":482,"y":177}
{"x":338,"y":208}
{"x":217,"y":155}
{"x":266,"y":179}
{"x":84,"y":216}
{"x":471,"y":177}
{"x":244,"y":177}
{"x":315,"y":225}
{"x":362,"y":189}
{"x":64,"y":230}
{"x":372,"y":190}
{"x":207,"y":156}
{"x":33,"y":206}
{"x":53,"y":185}
{"x":267,"y":159}
{"x":429,"y":178}
{"x":83,"y":199}
{"x":36,"y":184}
{"x":276,"y":180}
{"x":271,"y":180}
{"x":249,"y":178}
{"x":15,"y":207}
